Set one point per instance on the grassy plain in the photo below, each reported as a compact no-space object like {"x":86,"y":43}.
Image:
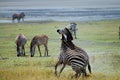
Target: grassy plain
{"x":98,"y":38}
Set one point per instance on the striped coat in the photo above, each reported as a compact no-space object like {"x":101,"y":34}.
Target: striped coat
{"x":74,"y":56}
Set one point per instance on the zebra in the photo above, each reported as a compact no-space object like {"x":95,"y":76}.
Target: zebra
{"x":18,"y":16}
{"x":72,"y":55}
{"x":39,"y":40}
{"x":72,"y":28}
{"x":20,"y":42}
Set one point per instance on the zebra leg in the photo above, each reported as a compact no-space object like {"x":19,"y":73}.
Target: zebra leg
{"x":76,"y":75}
{"x":18,"y":19}
{"x":32,"y":51}
{"x":39,"y":50}
{"x":56,"y":68}
{"x":18,"y":51}
{"x":23,"y":50}
{"x":58,"y":63}
{"x":46,"y":50}
{"x":23,"y":19}
{"x":77,"y":70}
{"x":79,"y":74}
{"x":84,"y":73}
{"x":63,"y":66}
{"x":13,"y":20}
{"x":75,"y":34}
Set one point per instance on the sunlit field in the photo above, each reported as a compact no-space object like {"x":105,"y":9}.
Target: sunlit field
{"x":98,"y":38}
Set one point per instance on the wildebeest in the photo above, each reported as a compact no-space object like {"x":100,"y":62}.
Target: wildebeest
{"x":72,"y":55}
{"x":18,"y":16}
{"x":38,"y":41}
{"x":20,"y":41}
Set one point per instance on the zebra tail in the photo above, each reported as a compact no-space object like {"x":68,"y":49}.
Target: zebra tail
{"x":89,"y":67}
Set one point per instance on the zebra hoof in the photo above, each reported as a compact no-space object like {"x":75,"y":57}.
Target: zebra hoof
{"x":18,"y":55}
{"x":23,"y":54}
{"x":87,"y":75}
{"x":31,"y":55}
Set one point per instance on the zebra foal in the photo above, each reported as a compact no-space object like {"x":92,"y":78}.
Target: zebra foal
{"x":72,"y":55}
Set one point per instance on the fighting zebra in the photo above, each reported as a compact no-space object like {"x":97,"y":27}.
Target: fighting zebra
{"x":20,"y":41}
{"x":18,"y":16}
{"x":38,"y":41}
{"x":72,"y":55}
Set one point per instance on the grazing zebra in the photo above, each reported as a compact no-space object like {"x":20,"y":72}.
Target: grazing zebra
{"x":18,"y":16}
{"x":20,"y":41}
{"x":37,"y":41}
{"x":72,"y":55}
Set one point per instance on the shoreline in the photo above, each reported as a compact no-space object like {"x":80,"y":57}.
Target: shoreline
{"x":65,"y":15}
{"x":7,"y":20}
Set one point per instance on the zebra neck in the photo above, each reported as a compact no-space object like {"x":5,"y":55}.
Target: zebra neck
{"x":71,"y":45}
{"x":63,"y":45}
{"x":68,"y":44}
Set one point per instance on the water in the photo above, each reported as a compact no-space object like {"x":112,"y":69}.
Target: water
{"x":63,"y":14}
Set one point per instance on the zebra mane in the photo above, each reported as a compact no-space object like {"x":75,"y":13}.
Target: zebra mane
{"x":68,"y":34}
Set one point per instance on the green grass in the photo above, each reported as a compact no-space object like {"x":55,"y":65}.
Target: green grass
{"x":98,"y":38}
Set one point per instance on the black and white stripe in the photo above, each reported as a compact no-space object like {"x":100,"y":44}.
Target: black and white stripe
{"x":71,"y":55}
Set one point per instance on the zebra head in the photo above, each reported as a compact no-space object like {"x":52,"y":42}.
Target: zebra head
{"x":66,"y":37}
{"x":66,"y":34}
{"x":22,"y":14}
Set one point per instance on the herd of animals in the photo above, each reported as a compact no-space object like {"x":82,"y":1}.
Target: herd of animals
{"x":70,"y":54}
{"x":36,"y":41}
